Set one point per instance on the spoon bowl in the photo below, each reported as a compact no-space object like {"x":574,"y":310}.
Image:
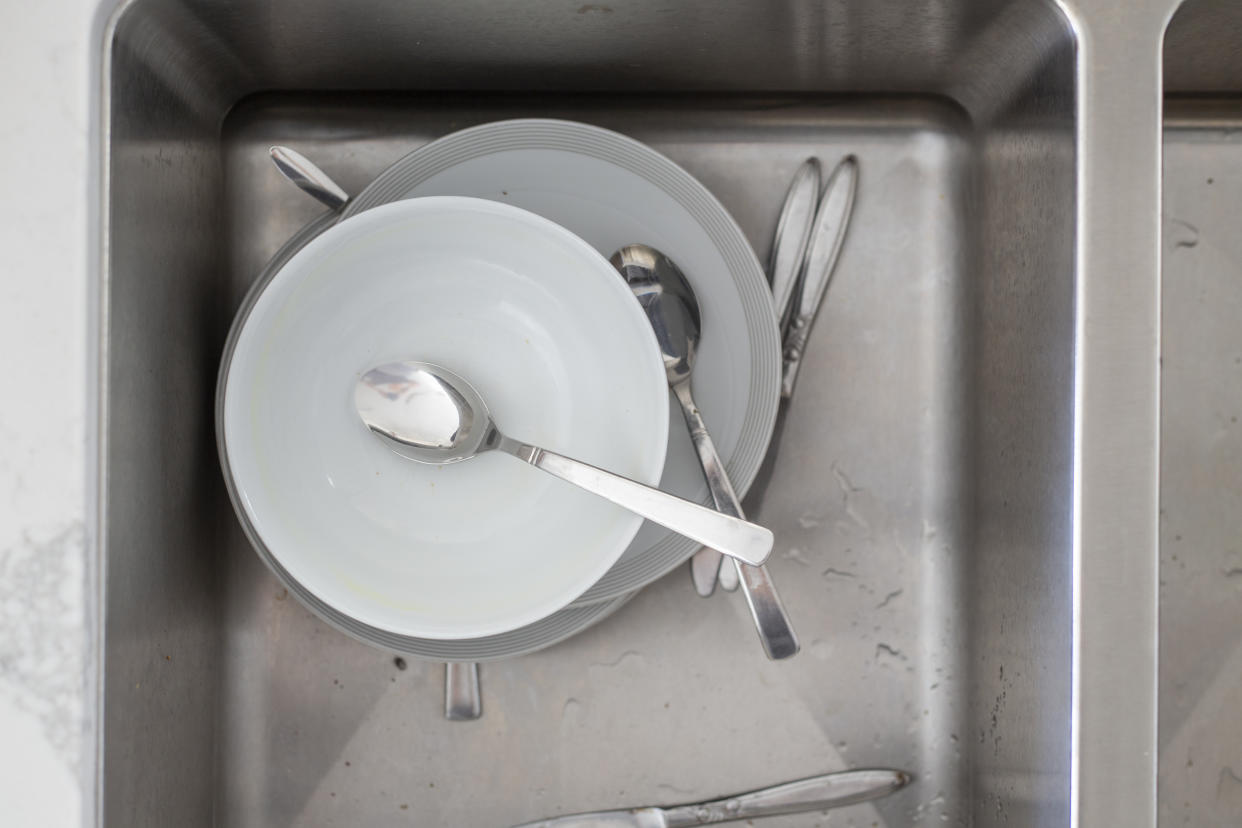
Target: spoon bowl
{"x":428,"y":413}
{"x":669,"y":302}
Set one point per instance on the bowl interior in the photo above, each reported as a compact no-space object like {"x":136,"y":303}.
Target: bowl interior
{"x":537,"y":321}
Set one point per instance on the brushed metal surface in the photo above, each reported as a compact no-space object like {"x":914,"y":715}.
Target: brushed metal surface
{"x":965,"y":496}
{"x":872,"y":497}
{"x":1201,"y":468}
{"x":1200,"y":733}
{"x":921,"y":154}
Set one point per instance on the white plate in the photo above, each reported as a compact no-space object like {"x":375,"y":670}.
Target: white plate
{"x":611,"y":191}
{"x":543,"y":633}
{"x":543,"y":328}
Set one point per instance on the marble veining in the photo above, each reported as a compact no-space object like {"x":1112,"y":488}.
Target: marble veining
{"x":44,"y":645}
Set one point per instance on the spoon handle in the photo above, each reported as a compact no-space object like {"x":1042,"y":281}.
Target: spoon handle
{"x":776,"y":632}
{"x":732,"y":536}
{"x":311,"y":180}
{"x":462,"y":701}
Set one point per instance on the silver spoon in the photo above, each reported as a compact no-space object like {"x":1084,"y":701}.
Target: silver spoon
{"x":673,"y":310}
{"x":431,"y":415}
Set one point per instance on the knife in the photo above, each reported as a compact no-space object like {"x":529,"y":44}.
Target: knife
{"x":789,"y":244}
{"x":827,"y":235}
{"x":817,"y":793}
{"x":796,"y":308}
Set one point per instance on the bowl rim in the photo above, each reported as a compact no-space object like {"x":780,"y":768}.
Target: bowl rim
{"x":320,"y":235}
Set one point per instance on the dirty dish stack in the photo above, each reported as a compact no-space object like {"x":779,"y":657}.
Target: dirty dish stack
{"x":486,"y":252}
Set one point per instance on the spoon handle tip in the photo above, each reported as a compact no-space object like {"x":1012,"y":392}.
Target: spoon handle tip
{"x":748,"y":542}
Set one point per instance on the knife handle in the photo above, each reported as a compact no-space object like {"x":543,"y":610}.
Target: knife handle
{"x":793,"y":235}
{"x":795,"y":346}
{"x":818,"y":793}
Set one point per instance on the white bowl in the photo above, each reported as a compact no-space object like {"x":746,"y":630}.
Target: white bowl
{"x":536,"y":320}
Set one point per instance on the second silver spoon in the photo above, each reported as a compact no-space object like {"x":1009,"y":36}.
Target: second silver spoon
{"x":671,"y":307}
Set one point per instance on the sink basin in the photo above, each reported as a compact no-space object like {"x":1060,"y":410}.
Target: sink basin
{"x":923,"y":495}
{"x":1201,"y":441}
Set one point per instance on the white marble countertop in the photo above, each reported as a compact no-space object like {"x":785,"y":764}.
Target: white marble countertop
{"x":44,"y":638}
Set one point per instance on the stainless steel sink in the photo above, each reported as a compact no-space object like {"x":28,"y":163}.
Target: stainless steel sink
{"x":1201,"y":441}
{"x":948,"y":498}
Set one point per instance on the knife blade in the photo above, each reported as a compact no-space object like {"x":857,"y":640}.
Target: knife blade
{"x":828,"y":234}
{"x":816,"y":793}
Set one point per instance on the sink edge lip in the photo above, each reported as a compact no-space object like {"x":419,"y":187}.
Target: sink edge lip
{"x":107,"y":14}
{"x":104,"y":18}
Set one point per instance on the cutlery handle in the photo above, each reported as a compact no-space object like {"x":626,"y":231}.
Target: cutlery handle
{"x":818,"y":793}
{"x":795,"y":346}
{"x":775,"y":630}
{"x":705,"y":565}
{"x":462,"y":701}
{"x":731,"y":535}
{"x":771,"y":622}
{"x":308,"y":178}
{"x":705,"y":569}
